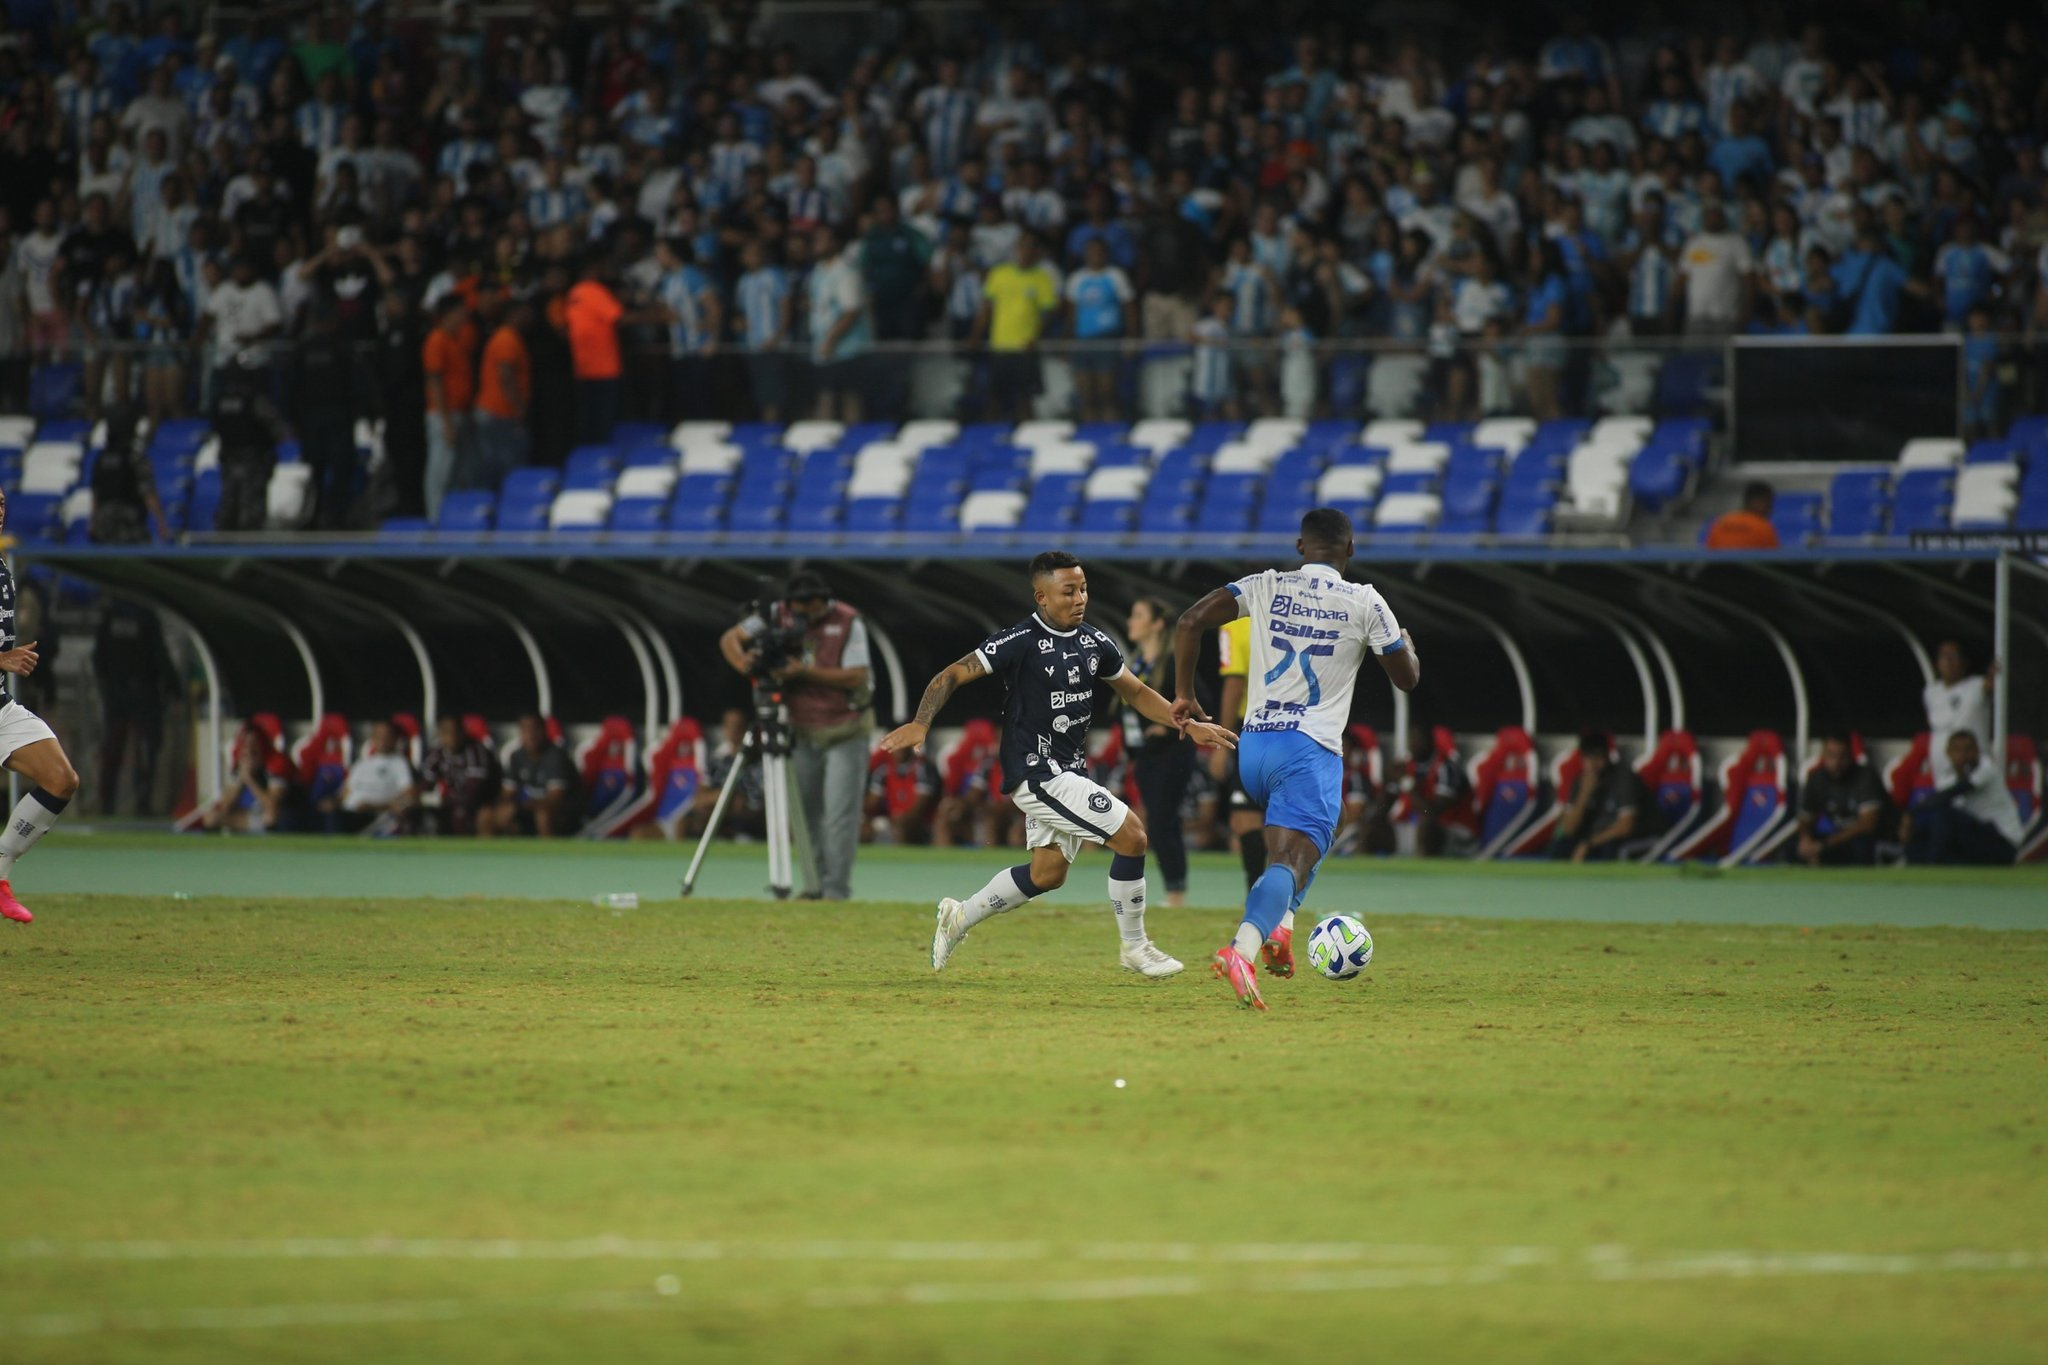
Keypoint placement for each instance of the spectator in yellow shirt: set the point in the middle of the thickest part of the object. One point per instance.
(1017, 298)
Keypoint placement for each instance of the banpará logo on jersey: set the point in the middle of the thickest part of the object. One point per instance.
(1099, 803)
(1285, 605)
(1045, 646)
(1062, 700)
(1063, 723)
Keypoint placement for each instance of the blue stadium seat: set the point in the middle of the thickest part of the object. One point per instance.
(64, 429)
(465, 512)
(1104, 516)
(33, 516)
(757, 508)
(1469, 500)
(1053, 503)
(1989, 452)
(1524, 520)
(1181, 466)
(639, 514)
(628, 435)
(1352, 453)
(1659, 477)
(873, 515)
(1797, 517)
(525, 516)
(1281, 513)
(406, 530)
(531, 484)
(2032, 512)
(1468, 524)
(205, 504)
(816, 511)
(2028, 431)
(590, 467)
(931, 518)
(655, 455)
(1118, 455)
(1449, 433)
(1683, 384)
(1409, 481)
(288, 452)
(1303, 464)
(1209, 437)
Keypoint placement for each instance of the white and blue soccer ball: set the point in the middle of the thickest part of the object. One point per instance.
(1339, 948)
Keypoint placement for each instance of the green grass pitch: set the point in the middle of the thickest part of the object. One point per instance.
(408, 1129)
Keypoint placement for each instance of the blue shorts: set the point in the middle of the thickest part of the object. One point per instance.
(1298, 781)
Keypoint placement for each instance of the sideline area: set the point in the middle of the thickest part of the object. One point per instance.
(85, 862)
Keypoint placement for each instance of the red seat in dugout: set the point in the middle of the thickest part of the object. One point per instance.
(1753, 805)
(1909, 778)
(1504, 789)
(610, 764)
(322, 757)
(1564, 776)
(1425, 776)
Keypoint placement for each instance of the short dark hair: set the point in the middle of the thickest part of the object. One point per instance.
(1326, 526)
(1051, 561)
(1757, 488)
(1595, 741)
(1840, 736)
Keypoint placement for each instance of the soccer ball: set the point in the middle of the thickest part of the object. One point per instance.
(1340, 948)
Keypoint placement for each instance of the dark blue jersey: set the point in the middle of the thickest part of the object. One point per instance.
(6, 625)
(1049, 678)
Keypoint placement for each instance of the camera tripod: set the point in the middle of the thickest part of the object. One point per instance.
(767, 742)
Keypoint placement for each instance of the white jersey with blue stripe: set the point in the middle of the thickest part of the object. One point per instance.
(1310, 632)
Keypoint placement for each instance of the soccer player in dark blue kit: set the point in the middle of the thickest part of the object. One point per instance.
(27, 746)
(1051, 664)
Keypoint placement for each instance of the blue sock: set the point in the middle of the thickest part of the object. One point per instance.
(1126, 867)
(1264, 906)
(1027, 888)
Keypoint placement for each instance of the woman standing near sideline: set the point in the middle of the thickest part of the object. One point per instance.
(1165, 762)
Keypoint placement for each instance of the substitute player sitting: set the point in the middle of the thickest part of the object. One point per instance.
(1051, 664)
(1310, 630)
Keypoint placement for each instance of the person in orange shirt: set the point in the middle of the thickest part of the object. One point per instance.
(594, 314)
(504, 395)
(449, 358)
(1749, 526)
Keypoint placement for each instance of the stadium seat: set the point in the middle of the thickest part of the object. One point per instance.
(1921, 500)
(1930, 453)
(1504, 433)
(580, 509)
(1753, 805)
(405, 530)
(1159, 434)
(1347, 484)
(1519, 519)
(2023, 780)
(658, 455)
(645, 481)
(699, 502)
(1859, 502)
(1986, 496)
(992, 510)
(1796, 517)
(609, 762)
(1996, 451)
(1672, 773)
(466, 511)
(1414, 481)
(804, 437)
(1034, 434)
(873, 515)
(1469, 503)
(1393, 385)
(639, 515)
(1504, 789)
(1535, 836)
(52, 466)
(322, 758)
(289, 498)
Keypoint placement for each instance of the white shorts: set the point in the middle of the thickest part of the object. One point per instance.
(1069, 810)
(19, 728)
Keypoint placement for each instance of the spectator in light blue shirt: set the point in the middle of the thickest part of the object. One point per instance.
(1741, 158)
(762, 298)
(1868, 286)
(1967, 271)
(1098, 298)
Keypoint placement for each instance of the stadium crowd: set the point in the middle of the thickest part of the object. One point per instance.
(537, 225)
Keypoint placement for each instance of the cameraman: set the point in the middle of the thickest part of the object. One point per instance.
(823, 670)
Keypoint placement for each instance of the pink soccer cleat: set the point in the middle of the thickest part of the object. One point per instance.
(1243, 978)
(10, 908)
(1278, 954)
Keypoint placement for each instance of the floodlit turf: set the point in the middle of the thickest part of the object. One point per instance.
(250, 1130)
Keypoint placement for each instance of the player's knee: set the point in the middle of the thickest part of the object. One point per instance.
(61, 783)
(1050, 877)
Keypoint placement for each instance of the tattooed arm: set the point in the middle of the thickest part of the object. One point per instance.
(911, 736)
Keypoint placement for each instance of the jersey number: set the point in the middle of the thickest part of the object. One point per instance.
(1288, 655)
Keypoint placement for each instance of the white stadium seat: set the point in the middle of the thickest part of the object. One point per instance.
(1117, 483)
(1346, 483)
(51, 466)
(1407, 509)
(1608, 504)
(290, 495)
(77, 507)
(1618, 430)
(992, 509)
(1930, 452)
(1047, 432)
(1985, 495)
(1418, 457)
(928, 432)
(208, 456)
(646, 481)
(17, 432)
(1504, 433)
(1242, 457)
(580, 509)
(711, 459)
(805, 437)
(1276, 433)
(1390, 431)
(690, 435)
(1159, 434)
(881, 470)
(1061, 457)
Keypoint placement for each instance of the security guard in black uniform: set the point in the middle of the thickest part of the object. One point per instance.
(249, 429)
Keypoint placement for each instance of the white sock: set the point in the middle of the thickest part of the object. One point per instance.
(32, 818)
(1287, 921)
(1127, 899)
(1002, 893)
(1248, 942)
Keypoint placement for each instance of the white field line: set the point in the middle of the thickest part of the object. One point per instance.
(1606, 1264)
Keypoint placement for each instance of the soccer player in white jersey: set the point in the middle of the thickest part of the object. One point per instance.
(1310, 631)
(1053, 665)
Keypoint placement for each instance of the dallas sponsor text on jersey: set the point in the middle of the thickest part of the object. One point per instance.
(1310, 630)
(1049, 678)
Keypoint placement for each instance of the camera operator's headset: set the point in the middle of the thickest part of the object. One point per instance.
(806, 585)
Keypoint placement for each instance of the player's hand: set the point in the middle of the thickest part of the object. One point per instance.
(1990, 674)
(1214, 736)
(910, 737)
(22, 659)
(1579, 853)
(791, 671)
(1187, 709)
(1809, 849)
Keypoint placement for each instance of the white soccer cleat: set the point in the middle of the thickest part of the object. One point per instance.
(946, 935)
(1144, 958)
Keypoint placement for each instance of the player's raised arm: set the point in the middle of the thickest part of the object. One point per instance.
(1206, 615)
(1153, 707)
(936, 694)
